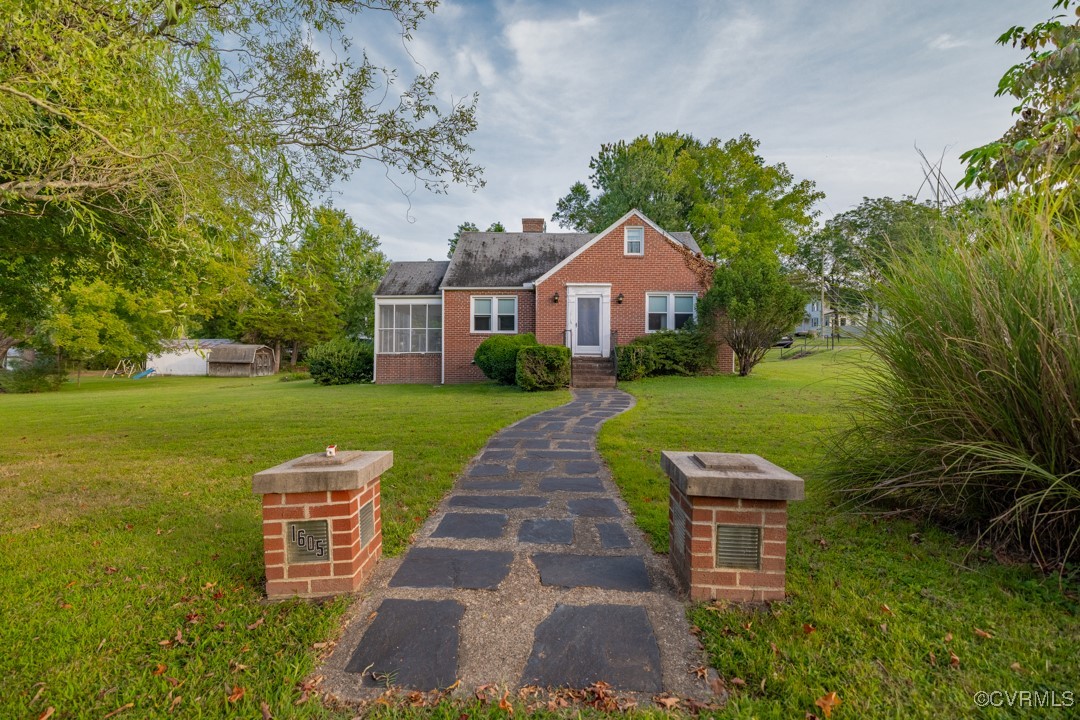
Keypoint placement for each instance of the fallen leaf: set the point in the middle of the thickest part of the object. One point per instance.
(827, 702)
(1015, 666)
(65, 606)
(504, 704)
(948, 637)
(666, 701)
(886, 609)
(884, 627)
(983, 634)
(256, 624)
(808, 628)
(267, 715)
(175, 701)
(953, 660)
(823, 543)
(70, 584)
(318, 645)
(47, 714)
(717, 686)
(237, 693)
(164, 643)
(209, 585)
(738, 682)
(193, 618)
(933, 660)
(159, 670)
(119, 710)
(110, 570)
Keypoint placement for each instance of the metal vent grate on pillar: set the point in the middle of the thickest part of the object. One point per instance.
(738, 546)
(367, 523)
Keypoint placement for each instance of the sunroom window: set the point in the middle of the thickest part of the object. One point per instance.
(410, 327)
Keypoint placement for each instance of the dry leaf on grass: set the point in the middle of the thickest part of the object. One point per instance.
(827, 702)
(47, 714)
(237, 693)
(983, 634)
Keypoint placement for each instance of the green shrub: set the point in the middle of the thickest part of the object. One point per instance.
(970, 410)
(688, 351)
(543, 367)
(42, 375)
(341, 361)
(497, 356)
(636, 361)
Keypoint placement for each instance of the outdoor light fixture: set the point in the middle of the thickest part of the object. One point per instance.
(619, 299)
(556, 298)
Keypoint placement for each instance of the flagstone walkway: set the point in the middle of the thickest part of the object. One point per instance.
(531, 572)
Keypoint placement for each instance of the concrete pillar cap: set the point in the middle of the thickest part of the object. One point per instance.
(730, 475)
(348, 470)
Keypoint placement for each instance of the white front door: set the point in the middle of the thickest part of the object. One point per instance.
(589, 319)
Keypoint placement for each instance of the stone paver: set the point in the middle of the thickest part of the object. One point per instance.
(531, 572)
(577, 646)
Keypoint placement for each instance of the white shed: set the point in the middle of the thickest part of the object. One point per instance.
(184, 357)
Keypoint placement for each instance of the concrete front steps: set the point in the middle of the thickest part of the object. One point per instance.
(593, 372)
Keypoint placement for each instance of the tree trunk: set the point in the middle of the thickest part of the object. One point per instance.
(292, 357)
(277, 356)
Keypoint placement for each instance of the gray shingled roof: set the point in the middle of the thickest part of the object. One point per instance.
(688, 240)
(413, 278)
(485, 259)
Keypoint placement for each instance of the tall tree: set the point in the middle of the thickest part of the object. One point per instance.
(469, 226)
(722, 192)
(845, 255)
(1043, 145)
(143, 123)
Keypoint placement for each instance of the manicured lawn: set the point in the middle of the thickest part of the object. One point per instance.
(130, 541)
(873, 599)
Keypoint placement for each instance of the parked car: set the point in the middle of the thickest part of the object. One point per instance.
(784, 342)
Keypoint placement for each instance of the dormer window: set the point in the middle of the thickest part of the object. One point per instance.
(635, 241)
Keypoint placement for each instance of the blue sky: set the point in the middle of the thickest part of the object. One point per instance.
(841, 91)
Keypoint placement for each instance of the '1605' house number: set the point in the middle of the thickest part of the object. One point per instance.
(308, 541)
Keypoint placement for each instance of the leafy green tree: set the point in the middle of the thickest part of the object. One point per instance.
(722, 192)
(469, 226)
(845, 256)
(1043, 145)
(752, 303)
(320, 287)
(164, 130)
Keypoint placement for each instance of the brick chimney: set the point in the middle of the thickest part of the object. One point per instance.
(533, 225)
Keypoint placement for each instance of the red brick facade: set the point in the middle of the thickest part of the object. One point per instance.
(692, 525)
(460, 342)
(663, 267)
(350, 563)
(415, 368)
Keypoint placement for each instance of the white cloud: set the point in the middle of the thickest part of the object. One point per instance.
(945, 41)
(842, 92)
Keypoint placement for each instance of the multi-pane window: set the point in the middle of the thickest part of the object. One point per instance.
(669, 311)
(635, 241)
(494, 314)
(410, 327)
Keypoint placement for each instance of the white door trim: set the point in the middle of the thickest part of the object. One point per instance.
(601, 290)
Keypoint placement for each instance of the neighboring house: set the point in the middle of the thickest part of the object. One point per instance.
(184, 357)
(235, 360)
(812, 321)
(583, 290)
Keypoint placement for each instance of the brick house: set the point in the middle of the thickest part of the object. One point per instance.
(584, 290)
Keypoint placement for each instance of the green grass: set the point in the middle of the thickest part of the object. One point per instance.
(845, 567)
(127, 520)
(126, 515)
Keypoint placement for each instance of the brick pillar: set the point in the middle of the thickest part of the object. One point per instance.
(728, 524)
(322, 522)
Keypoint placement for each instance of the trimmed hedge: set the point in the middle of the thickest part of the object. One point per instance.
(678, 352)
(543, 367)
(497, 356)
(341, 361)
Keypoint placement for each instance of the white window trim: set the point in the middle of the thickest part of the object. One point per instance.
(626, 240)
(404, 300)
(494, 314)
(670, 308)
